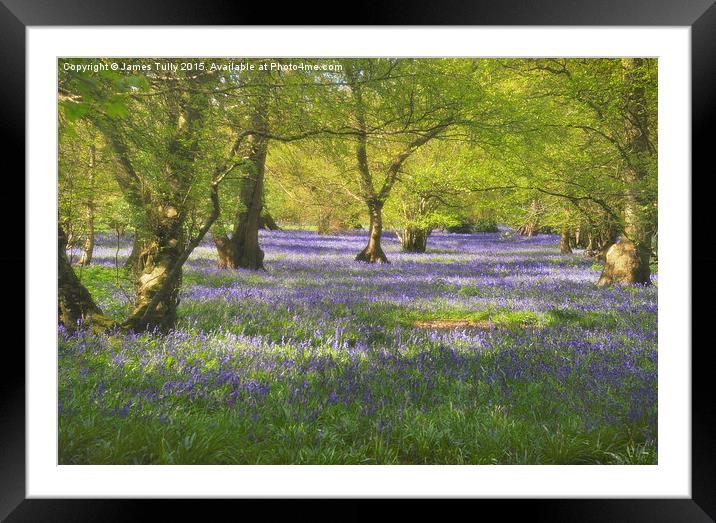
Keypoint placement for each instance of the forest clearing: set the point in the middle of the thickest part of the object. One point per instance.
(371, 261)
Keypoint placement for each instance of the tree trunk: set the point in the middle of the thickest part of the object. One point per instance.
(245, 251)
(88, 246)
(161, 266)
(607, 237)
(627, 262)
(414, 239)
(242, 250)
(373, 252)
(75, 304)
(159, 254)
(70, 240)
(564, 241)
(590, 243)
(625, 265)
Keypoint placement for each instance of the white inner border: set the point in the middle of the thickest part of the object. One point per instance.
(670, 478)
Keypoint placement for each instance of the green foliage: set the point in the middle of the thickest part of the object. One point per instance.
(516, 131)
(468, 226)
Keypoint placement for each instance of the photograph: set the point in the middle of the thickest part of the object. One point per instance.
(357, 260)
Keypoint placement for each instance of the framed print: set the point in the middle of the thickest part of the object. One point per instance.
(361, 262)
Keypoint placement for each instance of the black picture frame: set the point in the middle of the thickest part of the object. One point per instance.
(700, 15)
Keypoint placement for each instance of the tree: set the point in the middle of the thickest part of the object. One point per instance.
(87, 193)
(164, 168)
(393, 107)
(430, 193)
(242, 249)
(272, 106)
(75, 304)
(628, 261)
(615, 108)
(586, 138)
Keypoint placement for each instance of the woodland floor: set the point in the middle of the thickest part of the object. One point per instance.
(489, 348)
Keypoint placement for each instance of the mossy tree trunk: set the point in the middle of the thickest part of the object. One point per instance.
(164, 249)
(163, 198)
(158, 257)
(75, 304)
(160, 245)
(414, 239)
(160, 266)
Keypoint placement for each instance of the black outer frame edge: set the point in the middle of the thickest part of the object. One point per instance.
(703, 418)
(398, 12)
(550, 510)
(12, 147)
(702, 506)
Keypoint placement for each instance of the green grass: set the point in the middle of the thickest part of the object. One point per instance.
(477, 426)
(479, 436)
